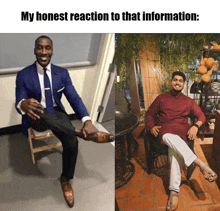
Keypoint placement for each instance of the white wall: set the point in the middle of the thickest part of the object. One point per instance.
(16, 50)
(89, 82)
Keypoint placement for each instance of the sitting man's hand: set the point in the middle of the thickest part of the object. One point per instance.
(192, 132)
(31, 107)
(155, 130)
(88, 129)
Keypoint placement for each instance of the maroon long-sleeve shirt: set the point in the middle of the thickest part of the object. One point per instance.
(172, 114)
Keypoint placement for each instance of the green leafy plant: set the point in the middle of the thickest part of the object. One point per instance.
(127, 48)
(176, 53)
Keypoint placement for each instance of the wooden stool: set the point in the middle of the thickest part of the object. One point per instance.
(33, 134)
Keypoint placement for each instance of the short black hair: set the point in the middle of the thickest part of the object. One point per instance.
(180, 74)
(43, 37)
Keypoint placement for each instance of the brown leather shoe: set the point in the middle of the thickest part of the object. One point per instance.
(98, 137)
(67, 191)
(101, 137)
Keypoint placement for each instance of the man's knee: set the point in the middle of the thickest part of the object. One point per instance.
(166, 137)
(70, 144)
(169, 139)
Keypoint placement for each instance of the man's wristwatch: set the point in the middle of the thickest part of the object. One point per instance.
(196, 125)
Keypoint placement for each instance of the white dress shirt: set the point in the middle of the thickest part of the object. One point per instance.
(40, 71)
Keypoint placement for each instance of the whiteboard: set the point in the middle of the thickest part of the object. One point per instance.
(17, 49)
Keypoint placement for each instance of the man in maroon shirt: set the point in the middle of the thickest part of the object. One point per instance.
(171, 110)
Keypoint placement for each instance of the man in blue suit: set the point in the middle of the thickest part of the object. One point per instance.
(39, 88)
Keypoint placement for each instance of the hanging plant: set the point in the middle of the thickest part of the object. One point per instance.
(176, 53)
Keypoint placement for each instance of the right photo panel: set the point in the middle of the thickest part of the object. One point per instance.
(167, 122)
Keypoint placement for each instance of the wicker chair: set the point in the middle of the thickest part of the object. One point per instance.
(153, 149)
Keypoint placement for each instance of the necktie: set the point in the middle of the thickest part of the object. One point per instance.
(48, 93)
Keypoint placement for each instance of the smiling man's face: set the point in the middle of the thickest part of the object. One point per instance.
(177, 83)
(43, 51)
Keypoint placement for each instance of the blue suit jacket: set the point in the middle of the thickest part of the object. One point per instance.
(28, 86)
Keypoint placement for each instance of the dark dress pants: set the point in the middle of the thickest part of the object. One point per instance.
(63, 129)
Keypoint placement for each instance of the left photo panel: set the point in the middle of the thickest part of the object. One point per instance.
(57, 124)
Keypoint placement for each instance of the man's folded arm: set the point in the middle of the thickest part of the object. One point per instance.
(198, 114)
(151, 114)
(21, 93)
(19, 107)
(73, 98)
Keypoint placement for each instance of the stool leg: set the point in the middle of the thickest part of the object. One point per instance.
(31, 145)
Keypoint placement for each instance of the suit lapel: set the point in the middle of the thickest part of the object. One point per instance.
(54, 75)
(55, 84)
(36, 82)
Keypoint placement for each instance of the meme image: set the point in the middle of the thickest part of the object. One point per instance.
(109, 106)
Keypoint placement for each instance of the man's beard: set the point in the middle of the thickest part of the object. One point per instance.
(176, 92)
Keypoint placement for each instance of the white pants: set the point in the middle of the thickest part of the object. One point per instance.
(178, 154)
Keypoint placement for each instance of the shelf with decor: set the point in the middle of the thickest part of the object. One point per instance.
(210, 91)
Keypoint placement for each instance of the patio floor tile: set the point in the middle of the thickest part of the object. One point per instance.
(195, 208)
(199, 198)
(138, 203)
(150, 192)
(124, 192)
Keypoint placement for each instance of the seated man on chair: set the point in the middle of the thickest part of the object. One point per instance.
(172, 110)
(39, 88)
